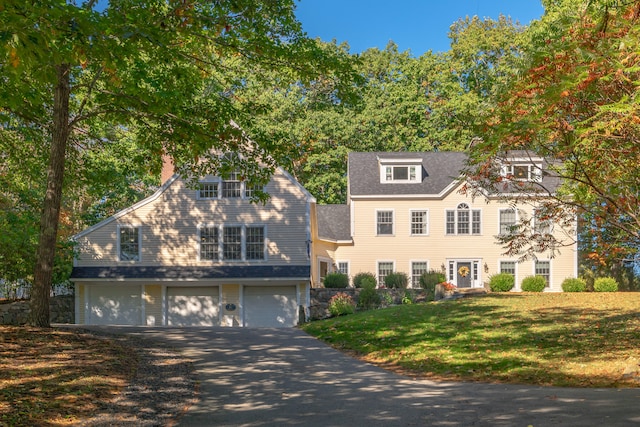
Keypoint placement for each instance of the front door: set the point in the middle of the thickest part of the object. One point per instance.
(464, 275)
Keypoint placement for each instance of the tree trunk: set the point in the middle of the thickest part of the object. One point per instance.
(51, 206)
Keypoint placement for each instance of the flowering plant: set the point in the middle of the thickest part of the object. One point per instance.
(448, 286)
(341, 303)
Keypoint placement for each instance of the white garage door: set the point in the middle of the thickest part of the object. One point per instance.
(193, 306)
(114, 305)
(270, 306)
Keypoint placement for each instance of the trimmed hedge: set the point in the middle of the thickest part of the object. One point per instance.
(336, 280)
(605, 284)
(533, 284)
(502, 282)
(571, 284)
(360, 279)
(396, 280)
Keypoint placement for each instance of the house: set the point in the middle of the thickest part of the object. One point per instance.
(405, 213)
(202, 255)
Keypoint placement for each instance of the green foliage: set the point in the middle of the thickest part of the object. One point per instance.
(407, 298)
(429, 280)
(605, 284)
(336, 280)
(396, 280)
(574, 284)
(533, 284)
(340, 304)
(364, 280)
(369, 298)
(502, 282)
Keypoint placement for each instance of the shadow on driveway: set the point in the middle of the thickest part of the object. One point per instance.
(284, 377)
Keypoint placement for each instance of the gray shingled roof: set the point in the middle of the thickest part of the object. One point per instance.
(334, 222)
(440, 169)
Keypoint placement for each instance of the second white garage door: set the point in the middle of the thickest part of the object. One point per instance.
(193, 306)
(270, 306)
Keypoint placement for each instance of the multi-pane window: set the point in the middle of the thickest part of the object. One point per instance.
(129, 244)
(523, 172)
(507, 221)
(417, 269)
(209, 243)
(508, 267)
(255, 243)
(401, 173)
(541, 224)
(385, 223)
(543, 268)
(343, 267)
(251, 190)
(384, 269)
(463, 220)
(208, 190)
(419, 222)
(232, 243)
(232, 187)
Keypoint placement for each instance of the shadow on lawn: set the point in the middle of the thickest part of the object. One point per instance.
(499, 338)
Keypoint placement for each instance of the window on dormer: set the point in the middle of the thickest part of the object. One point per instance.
(523, 172)
(400, 173)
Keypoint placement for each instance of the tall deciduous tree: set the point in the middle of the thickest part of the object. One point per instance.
(576, 101)
(172, 72)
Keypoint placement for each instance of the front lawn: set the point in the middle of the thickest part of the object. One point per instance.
(563, 339)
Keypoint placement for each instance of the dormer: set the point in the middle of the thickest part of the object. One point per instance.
(522, 169)
(400, 171)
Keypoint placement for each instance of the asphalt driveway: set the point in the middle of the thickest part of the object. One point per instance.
(284, 377)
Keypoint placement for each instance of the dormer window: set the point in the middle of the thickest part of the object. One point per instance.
(523, 172)
(400, 171)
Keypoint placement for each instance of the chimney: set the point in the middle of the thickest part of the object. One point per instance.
(168, 169)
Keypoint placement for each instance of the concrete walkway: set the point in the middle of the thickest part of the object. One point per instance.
(284, 377)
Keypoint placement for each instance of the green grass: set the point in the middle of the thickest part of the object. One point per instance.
(564, 339)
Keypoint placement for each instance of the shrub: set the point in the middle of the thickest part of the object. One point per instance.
(340, 304)
(605, 284)
(533, 284)
(396, 280)
(369, 298)
(429, 280)
(502, 282)
(336, 280)
(407, 298)
(367, 277)
(571, 284)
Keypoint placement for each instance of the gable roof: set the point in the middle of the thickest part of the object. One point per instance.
(334, 222)
(440, 173)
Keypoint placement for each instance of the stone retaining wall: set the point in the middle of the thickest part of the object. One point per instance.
(61, 308)
(319, 303)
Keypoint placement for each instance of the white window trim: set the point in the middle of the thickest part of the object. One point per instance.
(139, 228)
(329, 267)
(411, 222)
(393, 222)
(550, 287)
(338, 262)
(471, 210)
(516, 284)
(219, 180)
(416, 166)
(500, 210)
(411, 269)
(393, 270)
(534, 171)
(243, 243)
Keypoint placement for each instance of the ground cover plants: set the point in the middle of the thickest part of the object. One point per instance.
(560, 339)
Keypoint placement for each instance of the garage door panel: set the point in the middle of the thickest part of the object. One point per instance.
(193, 306)
(115, 305)
(270, 306)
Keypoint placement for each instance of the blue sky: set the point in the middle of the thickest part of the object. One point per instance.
(416, 25)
